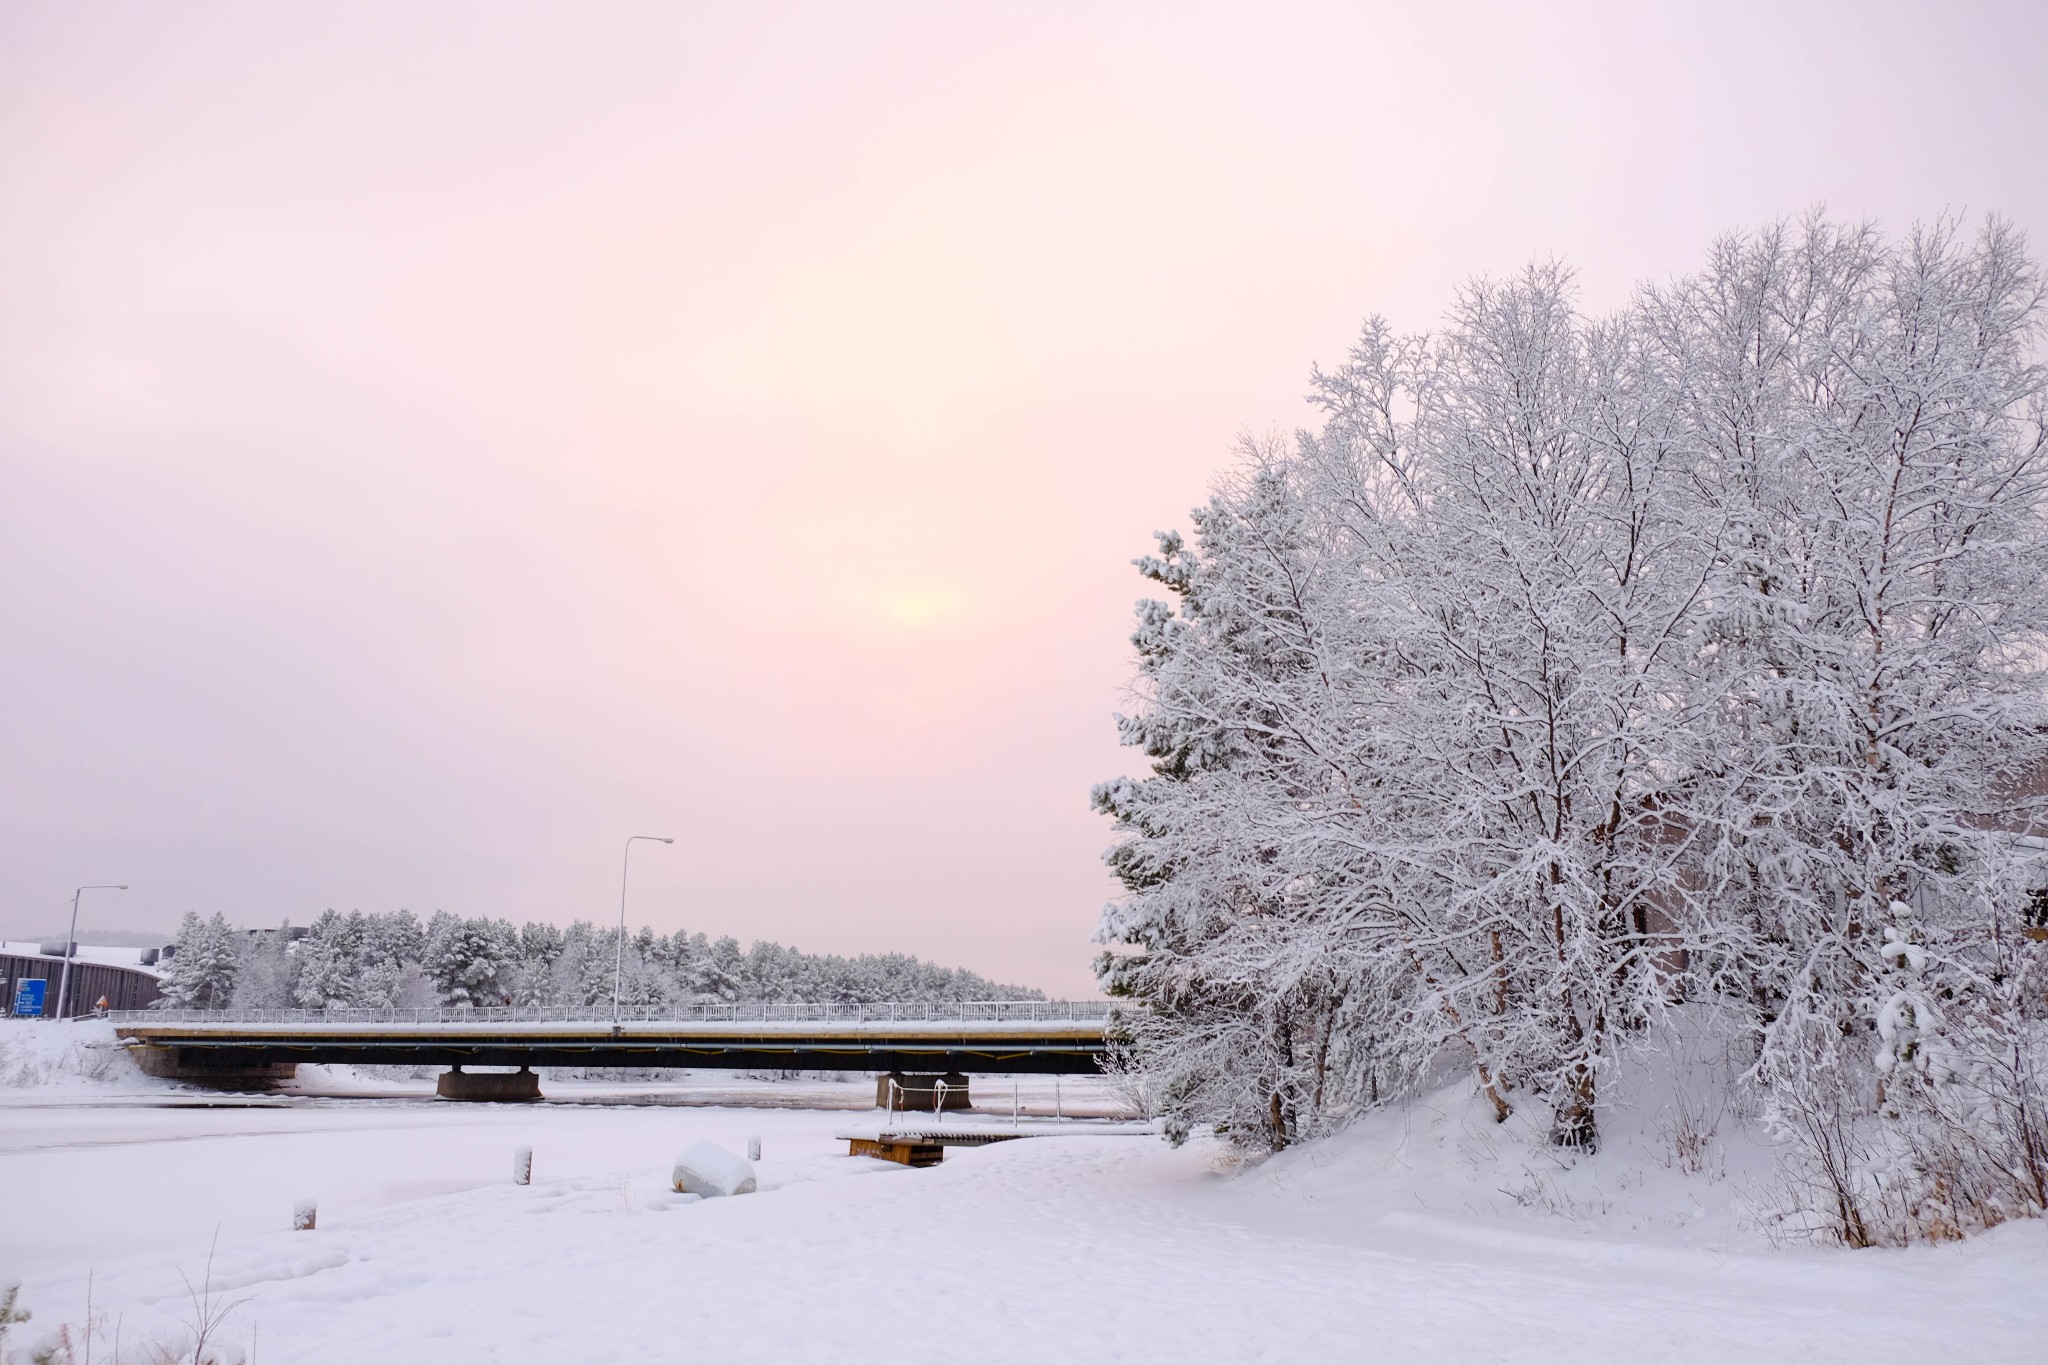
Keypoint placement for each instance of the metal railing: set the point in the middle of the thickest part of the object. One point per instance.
(754, 1012)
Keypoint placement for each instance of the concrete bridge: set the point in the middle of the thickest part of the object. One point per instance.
(913, 1044)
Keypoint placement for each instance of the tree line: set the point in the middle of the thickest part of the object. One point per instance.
(393, 960)
(1585, 683)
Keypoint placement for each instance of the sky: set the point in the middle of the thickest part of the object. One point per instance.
(439, 441)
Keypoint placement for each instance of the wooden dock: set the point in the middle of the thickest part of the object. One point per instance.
(921, 1148)
(927, 1146)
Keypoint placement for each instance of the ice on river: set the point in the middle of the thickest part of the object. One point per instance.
(1083, 1249)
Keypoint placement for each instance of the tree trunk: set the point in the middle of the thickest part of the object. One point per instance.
(1573, 1124)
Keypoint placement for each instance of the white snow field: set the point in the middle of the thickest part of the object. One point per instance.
(1421, 1236)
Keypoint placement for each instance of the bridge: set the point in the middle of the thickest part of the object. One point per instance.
(940, 1040)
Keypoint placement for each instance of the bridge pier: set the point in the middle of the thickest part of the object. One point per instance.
(920, 1094)
(204, 1066)
(457, 1084)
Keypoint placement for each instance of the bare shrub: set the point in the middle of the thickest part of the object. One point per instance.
(1542, 1193)
(206, 1314)
(1690, 1127)
(1128, 1080)
(11, 1310)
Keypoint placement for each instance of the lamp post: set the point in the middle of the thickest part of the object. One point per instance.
(71, 942)
(619, 967)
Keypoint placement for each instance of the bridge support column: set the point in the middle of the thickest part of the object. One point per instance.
(920, 1094)
(457, 1084)
(199, 1066)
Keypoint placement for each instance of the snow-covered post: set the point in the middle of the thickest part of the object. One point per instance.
(305, 1214)
(754, 1148)
(522, 1165)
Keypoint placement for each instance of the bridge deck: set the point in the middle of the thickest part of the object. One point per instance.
(1005, 1038)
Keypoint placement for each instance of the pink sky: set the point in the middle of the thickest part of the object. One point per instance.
(439, 441)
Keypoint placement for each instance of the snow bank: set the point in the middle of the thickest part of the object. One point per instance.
(1676, 1167)
(80, 1054)
(710, 1170)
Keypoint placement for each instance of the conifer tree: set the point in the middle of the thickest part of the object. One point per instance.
(202, 971)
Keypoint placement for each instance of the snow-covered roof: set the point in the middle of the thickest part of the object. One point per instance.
(87, 952)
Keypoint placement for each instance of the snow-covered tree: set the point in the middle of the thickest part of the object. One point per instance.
(1240, 1021)
(389, 960)
(540, 946)
(202, 971)
(1575, 668)
(266, 970)
(331, 962)
(392, 938)
(1872, 423)
(722, 972)
(469, 960)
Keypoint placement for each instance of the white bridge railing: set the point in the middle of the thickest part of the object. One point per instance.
(754, 1012)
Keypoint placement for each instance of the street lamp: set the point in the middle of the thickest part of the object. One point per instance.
(71, 942)
(619, 967)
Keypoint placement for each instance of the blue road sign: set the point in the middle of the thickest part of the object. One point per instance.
(28, 997)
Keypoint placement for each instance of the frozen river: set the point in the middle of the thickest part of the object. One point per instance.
(105, 1181)
(1081, 1248)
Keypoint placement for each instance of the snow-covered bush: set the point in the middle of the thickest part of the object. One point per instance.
(1577, 669)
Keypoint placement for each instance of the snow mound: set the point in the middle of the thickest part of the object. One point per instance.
(1672, 1169)
(82, 1054)
(710, 1170)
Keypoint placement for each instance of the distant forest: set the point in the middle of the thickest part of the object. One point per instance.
(395, 960)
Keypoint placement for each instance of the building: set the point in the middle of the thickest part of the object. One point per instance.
(117, 975)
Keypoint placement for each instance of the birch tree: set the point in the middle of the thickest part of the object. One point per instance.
(1677, 668)
(1873, 422)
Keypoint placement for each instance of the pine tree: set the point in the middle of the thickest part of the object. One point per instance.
(540, 945)
(469, 961)
(392, 939)
(332, 962)
(202, 971)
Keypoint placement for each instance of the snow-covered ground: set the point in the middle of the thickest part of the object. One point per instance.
(1425, 1235)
